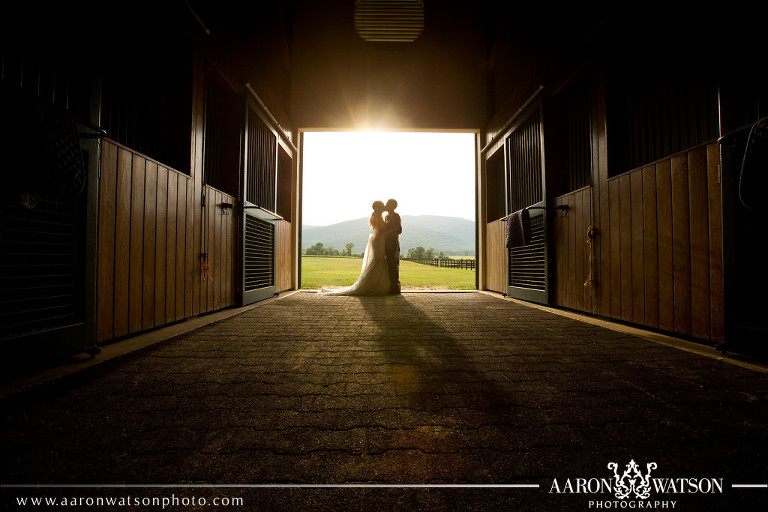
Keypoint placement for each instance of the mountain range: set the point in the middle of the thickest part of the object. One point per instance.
(451, 235)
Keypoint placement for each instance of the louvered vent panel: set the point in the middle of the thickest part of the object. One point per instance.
(259, 253)
(527, 264)
(39, 268)
(389, 21)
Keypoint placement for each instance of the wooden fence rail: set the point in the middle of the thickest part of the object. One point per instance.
(468, 264)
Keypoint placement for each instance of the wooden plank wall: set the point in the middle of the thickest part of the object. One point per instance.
(573, 252)
(661, 246)
(285, 258)
(495, 266)
(149, 246)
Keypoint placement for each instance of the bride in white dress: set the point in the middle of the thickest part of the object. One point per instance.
(374, 276)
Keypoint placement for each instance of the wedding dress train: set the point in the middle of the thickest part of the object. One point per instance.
(374, 276)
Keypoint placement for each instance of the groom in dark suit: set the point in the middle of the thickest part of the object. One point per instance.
(392, 246)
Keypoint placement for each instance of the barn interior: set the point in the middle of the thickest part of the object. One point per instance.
(152, 155)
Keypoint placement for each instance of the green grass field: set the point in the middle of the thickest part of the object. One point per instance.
(318, 271)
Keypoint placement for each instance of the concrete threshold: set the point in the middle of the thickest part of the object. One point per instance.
(411, 290)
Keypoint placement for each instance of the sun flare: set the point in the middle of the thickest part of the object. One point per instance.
(428, 173)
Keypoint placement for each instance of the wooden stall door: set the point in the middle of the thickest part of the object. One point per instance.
(259, 200)
(528, 267)
(48, 268)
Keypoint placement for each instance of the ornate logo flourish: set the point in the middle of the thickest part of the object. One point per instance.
(632, 480)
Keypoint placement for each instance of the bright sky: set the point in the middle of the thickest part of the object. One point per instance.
(428, 174)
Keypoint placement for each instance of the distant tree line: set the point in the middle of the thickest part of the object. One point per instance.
(417, 253)
(420, 254)
(319, 250)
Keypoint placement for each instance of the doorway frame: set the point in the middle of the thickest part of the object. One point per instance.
(299, 212)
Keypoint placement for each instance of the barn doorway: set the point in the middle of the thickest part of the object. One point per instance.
(430, 174)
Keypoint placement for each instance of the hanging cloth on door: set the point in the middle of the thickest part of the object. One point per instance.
(518, 228)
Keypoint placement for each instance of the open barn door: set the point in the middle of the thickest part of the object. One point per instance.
(259, 200)
(528, 275)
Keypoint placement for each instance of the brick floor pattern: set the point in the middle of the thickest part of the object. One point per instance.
(421, 388)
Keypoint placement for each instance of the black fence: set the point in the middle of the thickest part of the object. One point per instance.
(468, 264)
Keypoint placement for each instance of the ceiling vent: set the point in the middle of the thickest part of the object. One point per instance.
(393, 21)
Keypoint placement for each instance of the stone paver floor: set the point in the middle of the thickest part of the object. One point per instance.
(422, 388)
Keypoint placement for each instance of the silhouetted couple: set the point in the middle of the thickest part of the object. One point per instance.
(380, 274)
